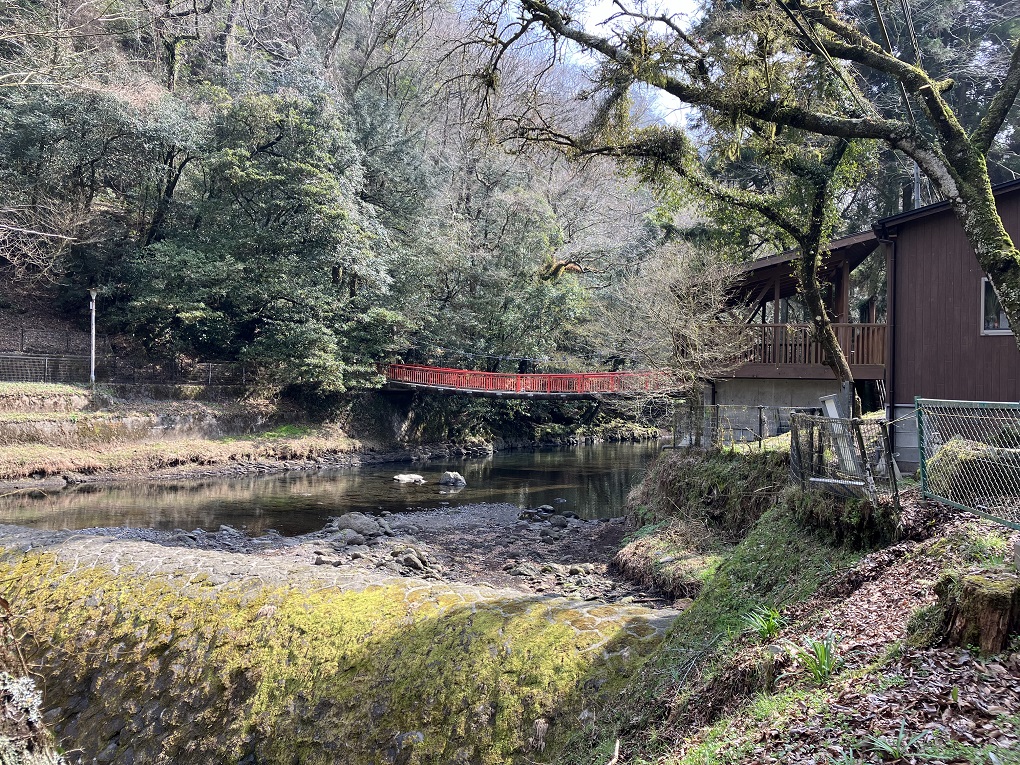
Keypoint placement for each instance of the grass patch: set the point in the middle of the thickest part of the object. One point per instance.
(26, 460)
(9, 389)
(780, 443)
(727, 490)
(708, 661)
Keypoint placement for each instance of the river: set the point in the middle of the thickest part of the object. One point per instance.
(591, 481)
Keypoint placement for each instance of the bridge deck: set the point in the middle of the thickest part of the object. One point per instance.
(583, 385)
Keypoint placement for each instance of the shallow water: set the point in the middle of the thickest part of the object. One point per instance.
(591, 481)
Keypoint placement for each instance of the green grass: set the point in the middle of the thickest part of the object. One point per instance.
(43, 389)
(289, 431)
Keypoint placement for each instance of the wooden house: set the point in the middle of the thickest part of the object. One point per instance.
(948, 337)
(943, 334)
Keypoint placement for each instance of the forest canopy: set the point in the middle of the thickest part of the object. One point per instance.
(313, 188)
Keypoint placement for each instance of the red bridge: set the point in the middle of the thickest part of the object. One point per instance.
(585, 385)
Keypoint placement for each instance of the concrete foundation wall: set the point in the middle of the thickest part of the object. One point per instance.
(783, 393)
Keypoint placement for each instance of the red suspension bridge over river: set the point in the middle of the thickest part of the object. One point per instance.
(471, 382)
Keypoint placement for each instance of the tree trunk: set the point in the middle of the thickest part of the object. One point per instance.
(981, 609)
(811, 291)
(998, 255)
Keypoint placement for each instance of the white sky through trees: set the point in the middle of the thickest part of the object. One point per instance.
(666, 107)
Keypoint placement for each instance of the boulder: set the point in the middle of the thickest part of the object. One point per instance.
(451, 478)
(362, 524)
(351, 537)
(558, 521)
(408, 478)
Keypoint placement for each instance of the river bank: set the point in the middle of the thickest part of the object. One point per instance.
(211, 647)
(53, 435)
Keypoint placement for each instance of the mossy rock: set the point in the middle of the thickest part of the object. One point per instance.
(970, 472)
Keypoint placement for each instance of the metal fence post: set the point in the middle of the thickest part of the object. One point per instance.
(921, 457)
(890, 465)
(715, 424)
(796, 457)
(865, 463)
(761, 426)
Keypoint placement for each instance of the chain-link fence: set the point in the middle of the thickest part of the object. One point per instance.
(43, 368)
(723, 425)
(21, 367)
(50, 342)
(848, 457)
(970, 456)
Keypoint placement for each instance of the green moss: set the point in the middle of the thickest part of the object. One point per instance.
(851, 521)
(728, 489)
(926, 627)
(327, 676)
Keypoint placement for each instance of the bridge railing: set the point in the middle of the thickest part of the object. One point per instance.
(586, 383)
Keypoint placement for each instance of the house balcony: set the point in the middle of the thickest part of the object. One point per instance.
(790, 352)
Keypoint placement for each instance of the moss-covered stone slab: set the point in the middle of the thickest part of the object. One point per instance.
(165, 654)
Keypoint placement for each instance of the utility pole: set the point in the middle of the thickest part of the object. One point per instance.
(92, 365)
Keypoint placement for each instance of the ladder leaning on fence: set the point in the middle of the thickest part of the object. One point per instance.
(851, 457)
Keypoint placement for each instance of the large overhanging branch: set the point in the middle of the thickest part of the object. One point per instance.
(777, 112)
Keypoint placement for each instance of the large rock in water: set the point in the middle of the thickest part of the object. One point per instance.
(451, 478)
(165, 654)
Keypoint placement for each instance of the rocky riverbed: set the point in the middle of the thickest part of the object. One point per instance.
(499, 545)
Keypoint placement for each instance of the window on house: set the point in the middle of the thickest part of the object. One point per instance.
(993, 318)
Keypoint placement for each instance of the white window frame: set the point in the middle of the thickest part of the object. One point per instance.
(988, 332)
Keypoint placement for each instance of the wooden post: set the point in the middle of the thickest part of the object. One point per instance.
(844, 289)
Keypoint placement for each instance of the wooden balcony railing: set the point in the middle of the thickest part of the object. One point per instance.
(781, 344)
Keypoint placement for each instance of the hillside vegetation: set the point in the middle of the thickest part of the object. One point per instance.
(808, 637)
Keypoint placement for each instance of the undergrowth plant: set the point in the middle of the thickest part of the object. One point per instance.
(763, 621)
(893, 748)
(818, 657)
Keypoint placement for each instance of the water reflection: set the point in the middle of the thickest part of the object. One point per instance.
(593, 481)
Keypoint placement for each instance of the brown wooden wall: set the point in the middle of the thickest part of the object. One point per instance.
(939, 349)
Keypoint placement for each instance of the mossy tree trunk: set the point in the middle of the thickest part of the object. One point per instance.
(981, 609)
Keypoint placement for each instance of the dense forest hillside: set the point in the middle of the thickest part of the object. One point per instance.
(309, 188)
